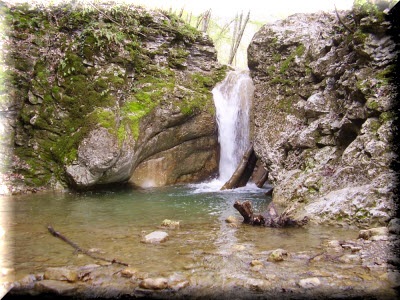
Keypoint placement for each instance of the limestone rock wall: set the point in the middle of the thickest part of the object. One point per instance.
(91, 94)
(323, 115)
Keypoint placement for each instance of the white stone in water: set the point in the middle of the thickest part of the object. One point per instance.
(62, 274)
(309, 282)
(155, 237)
(231, 219)
(128, 272)
(154, 283)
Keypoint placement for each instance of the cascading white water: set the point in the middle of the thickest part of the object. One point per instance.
(232, 98)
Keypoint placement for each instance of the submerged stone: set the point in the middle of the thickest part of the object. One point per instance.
(55, 286)
(278, 255)
(170, 224)
(231, 219)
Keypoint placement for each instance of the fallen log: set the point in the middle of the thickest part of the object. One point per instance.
(243, 172)
(260, 176)
(269, 218)
(79, 249)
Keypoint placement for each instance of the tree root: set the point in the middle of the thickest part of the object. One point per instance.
(270, 218)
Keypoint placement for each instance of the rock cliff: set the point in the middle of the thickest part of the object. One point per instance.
(94, 93)
(323, 114)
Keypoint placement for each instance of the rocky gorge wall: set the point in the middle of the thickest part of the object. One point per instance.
(324, 115)
(91, 94)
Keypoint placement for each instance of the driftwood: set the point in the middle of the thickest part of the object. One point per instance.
(79, 249)
(243, 172)
(269, 218)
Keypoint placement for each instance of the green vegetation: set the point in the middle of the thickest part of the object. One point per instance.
(372, 8)
(286, 63)
(96, 73)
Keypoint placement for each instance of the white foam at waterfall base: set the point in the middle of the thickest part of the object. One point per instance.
(232, 99)
(215, 185)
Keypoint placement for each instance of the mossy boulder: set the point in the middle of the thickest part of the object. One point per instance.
(82, 77)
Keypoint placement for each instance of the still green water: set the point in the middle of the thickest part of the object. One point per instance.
(113, 223)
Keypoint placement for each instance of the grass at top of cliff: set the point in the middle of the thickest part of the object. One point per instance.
(362, 8)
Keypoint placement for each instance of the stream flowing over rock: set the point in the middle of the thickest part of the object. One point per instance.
(106, 95)
(323, 115)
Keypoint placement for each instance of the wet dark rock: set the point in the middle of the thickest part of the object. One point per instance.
(56, 287)
(394, 226)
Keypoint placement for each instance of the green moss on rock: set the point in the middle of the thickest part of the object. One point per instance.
(99, 74)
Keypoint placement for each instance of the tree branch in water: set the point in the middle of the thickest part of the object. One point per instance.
(79, 249)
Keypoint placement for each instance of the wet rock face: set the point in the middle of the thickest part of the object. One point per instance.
(323, 115)
(91, 100)
(175, 148)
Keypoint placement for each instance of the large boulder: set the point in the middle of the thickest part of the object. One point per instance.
(323, 115)
(98, 93)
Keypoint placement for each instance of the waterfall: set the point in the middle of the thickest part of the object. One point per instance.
(232, 98)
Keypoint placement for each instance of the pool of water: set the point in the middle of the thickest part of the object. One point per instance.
(113, 223)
